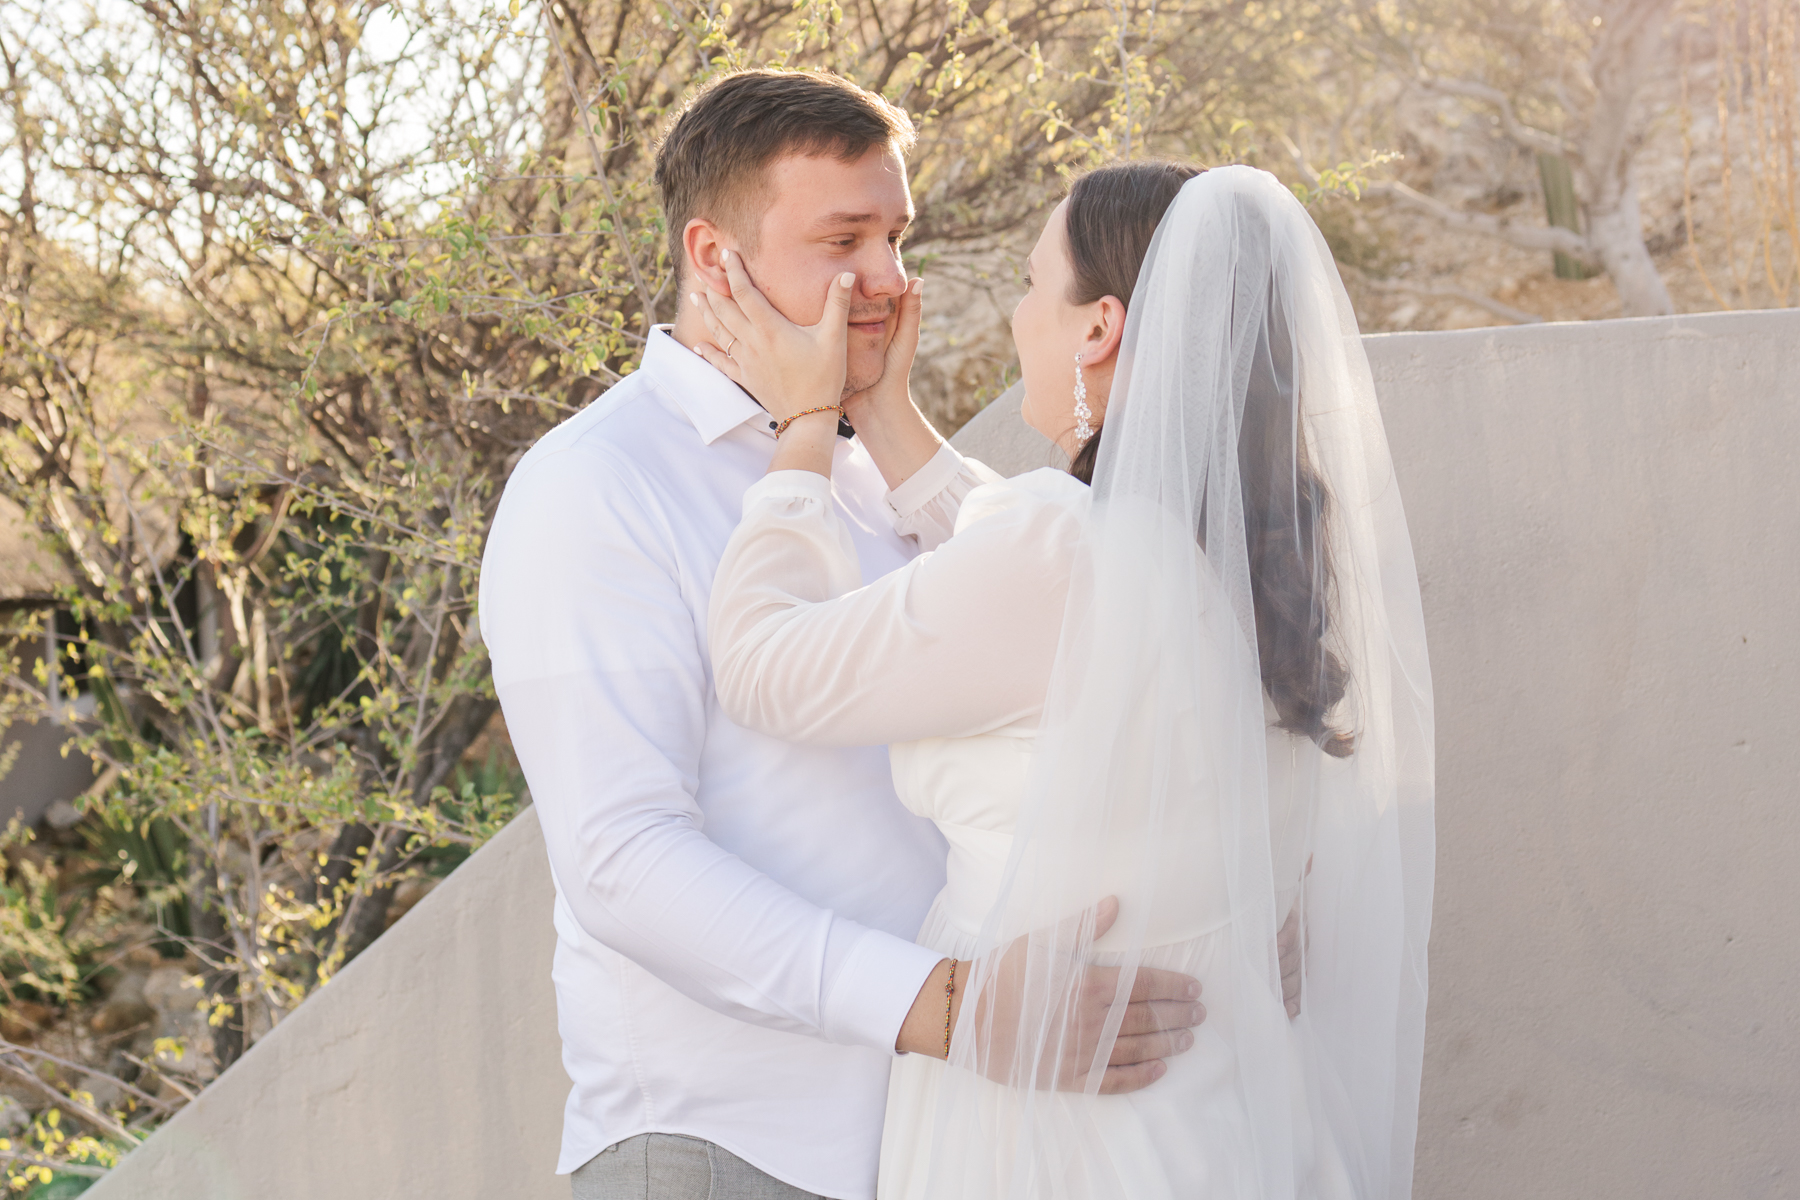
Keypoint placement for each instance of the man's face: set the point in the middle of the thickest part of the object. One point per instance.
(826, 216)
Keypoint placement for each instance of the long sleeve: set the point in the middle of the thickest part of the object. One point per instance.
(958, 642)
(925, 506)
(598, 666)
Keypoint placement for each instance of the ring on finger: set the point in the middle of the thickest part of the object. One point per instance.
(733, 346)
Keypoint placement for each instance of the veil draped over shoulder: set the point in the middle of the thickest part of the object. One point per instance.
(1241, 689)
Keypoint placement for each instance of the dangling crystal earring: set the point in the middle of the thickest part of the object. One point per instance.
(1084, 428)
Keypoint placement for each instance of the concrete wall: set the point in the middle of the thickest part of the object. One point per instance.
(1607, 520)
(1607, 524)
(429, 1068)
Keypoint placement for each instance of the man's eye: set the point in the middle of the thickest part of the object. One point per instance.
(1028, 279)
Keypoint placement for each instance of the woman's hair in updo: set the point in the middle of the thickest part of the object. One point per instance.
(1111, 217)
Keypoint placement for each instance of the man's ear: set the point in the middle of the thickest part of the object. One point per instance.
(703, 240)
(1104, 332)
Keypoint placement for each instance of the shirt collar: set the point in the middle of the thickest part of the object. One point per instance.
(700, 390)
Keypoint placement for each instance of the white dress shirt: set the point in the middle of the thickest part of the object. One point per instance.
(734, 913)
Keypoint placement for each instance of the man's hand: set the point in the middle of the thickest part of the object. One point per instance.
(1164, 1008)
(1287, 948)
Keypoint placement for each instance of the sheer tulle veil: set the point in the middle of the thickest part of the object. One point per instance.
(1168, 775)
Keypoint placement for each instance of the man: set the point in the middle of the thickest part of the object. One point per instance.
(734, 963)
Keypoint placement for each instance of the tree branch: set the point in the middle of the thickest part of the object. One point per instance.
(1505, 312)
(1535, 140)
(1527, 237)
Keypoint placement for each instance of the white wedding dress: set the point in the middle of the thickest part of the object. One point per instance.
(1082, 688)
(955, 643)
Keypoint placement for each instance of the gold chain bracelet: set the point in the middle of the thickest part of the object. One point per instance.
(949, 995)
(782, 427)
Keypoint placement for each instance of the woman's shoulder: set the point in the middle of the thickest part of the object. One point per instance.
(1044, 493)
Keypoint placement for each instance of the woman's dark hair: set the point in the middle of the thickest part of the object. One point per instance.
(1112, 215)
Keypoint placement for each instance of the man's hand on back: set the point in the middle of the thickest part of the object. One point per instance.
(1159, 1019)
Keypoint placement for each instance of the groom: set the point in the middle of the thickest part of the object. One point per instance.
(734, 964)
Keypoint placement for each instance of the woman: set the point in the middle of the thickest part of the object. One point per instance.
(1172, 677)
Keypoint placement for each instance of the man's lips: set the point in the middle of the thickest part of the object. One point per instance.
(870, 324)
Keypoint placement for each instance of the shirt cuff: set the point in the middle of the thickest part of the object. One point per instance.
(788, 485)
(874, 989)
(938, 473)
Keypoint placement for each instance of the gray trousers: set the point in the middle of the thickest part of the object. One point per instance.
(667, 1166)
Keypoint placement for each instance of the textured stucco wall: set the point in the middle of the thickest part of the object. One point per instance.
(1607, 521)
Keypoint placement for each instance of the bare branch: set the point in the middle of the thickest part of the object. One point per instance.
(1535, 140)
(1528, 237)
(86, 1114)
(1505, 312)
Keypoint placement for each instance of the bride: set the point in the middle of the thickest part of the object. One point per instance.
(1158, 704)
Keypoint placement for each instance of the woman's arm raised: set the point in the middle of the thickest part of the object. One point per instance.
(957, 642)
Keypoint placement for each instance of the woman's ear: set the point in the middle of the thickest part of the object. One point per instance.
(1107, 327)
(703, 240)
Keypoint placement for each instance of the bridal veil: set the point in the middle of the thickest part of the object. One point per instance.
(1246, 529)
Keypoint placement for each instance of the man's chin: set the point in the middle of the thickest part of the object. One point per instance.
(860, 377)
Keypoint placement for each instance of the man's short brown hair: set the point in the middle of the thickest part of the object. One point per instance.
(712, 161)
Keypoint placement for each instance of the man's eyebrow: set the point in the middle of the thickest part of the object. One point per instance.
(852, 218)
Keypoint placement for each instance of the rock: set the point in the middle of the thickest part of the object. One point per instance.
(120, 1014)
(179, 1015)
(107, 1096)
(409, 892)
(23, 1021)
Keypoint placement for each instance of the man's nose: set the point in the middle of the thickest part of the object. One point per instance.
(882, 274)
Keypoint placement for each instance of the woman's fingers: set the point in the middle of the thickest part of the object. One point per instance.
(718, 358)
(723, 319)
(906, 326)
(834, 323)
(748, 296)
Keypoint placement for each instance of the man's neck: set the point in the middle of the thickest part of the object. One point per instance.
(689, 329)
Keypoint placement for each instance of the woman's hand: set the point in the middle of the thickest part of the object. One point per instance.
(887, 422)
(890, 399)
(789, 368)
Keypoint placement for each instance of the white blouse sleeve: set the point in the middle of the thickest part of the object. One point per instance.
(925, 506)
(959, 641)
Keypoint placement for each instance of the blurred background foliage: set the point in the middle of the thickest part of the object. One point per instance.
(287, 286)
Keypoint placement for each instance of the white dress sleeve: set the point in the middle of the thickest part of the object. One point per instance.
(925, 506)
(958, 642)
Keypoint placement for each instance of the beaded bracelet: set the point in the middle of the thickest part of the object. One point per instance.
(949, 994)
(781, 428)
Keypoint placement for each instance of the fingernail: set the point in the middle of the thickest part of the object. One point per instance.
(693, 297)
(847, 278)
(1184, 1041)
(1197, 1013)
(918, 286)
(724, 256)
(1193, 990)
(1158, 1069)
